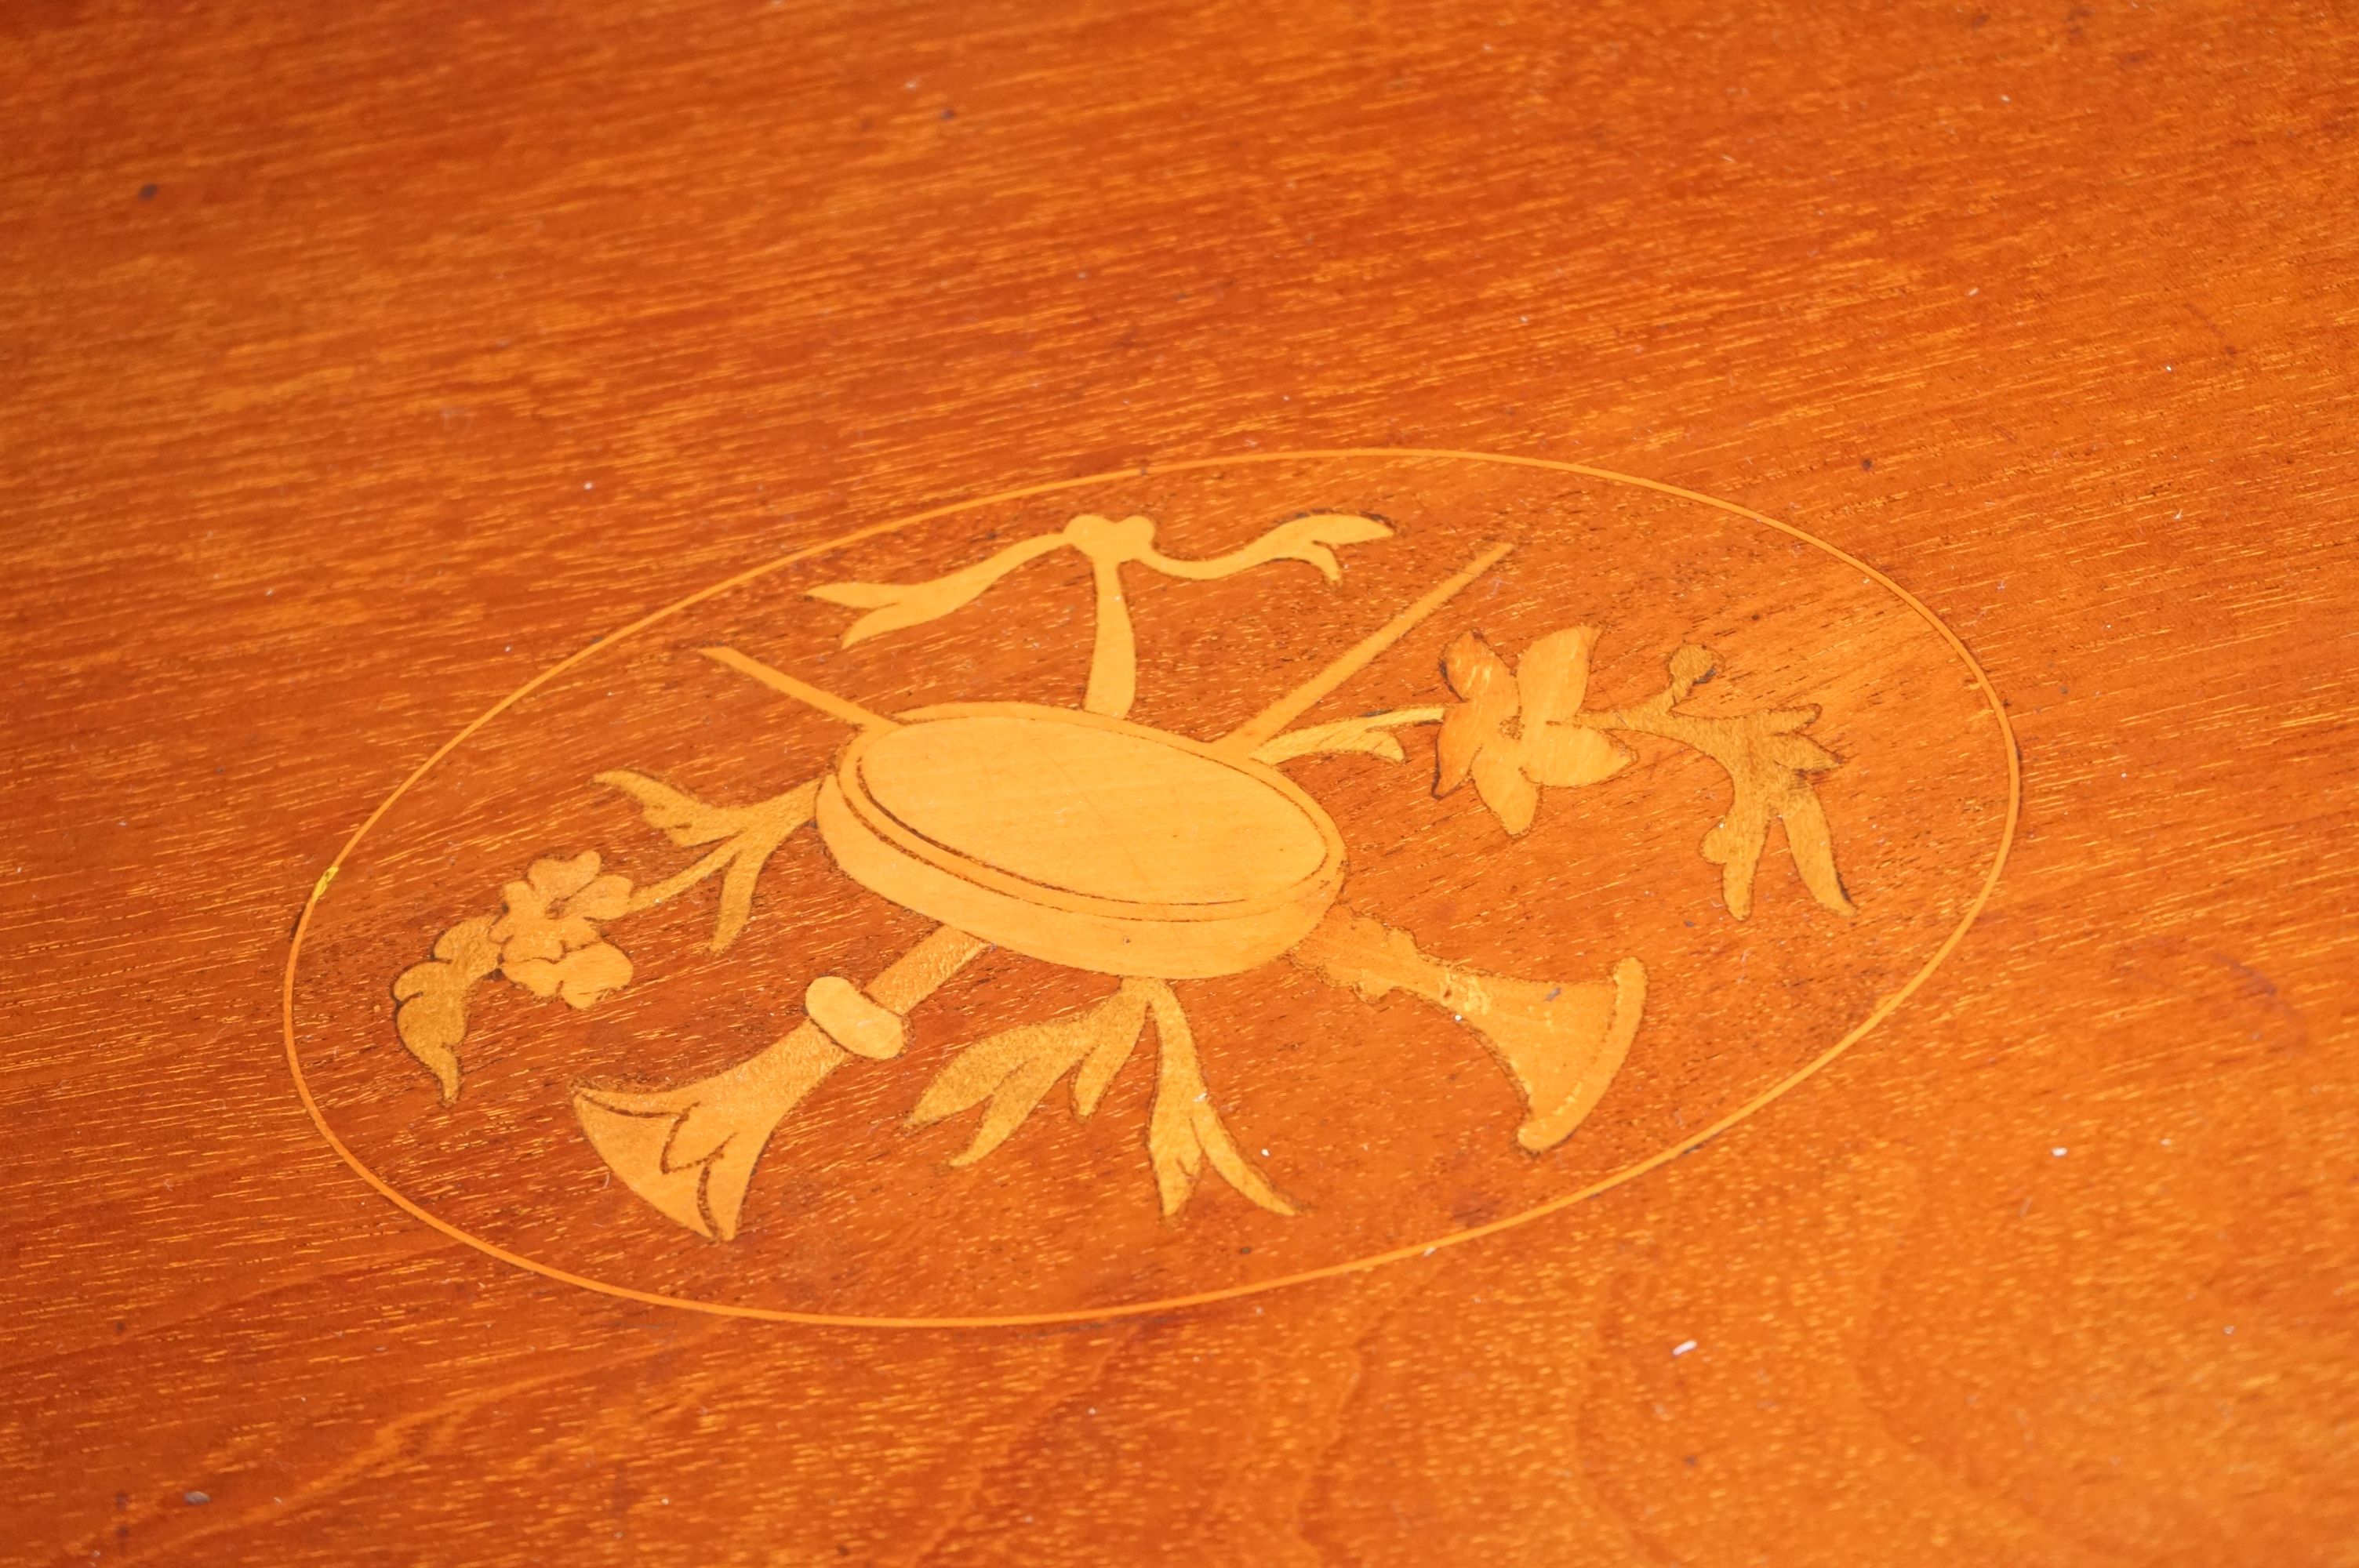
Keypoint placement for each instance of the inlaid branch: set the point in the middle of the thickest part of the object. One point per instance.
(1014, 1069)
(1769, 765)
(1010, 1073)
(1372, 734)
(1514, 732)
(746, 836)
(550, 940)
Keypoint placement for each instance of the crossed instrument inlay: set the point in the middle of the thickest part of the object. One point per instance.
(1081, 839)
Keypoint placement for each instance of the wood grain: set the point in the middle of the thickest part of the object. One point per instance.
(363, 362)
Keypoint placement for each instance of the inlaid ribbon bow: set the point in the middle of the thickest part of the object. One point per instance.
(1109, 545)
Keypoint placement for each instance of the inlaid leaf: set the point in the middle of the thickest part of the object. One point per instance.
(431, 1011)
(681, 817)
(760, 840)
(1814, 850)
(1184, 1131)
(1115, 1029)
(1014, 1070)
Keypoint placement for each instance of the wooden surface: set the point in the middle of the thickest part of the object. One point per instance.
(363, 362)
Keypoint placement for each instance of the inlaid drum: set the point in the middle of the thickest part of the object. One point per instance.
(1083, 841)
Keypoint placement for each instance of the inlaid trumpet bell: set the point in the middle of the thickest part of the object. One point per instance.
(1561, 1044)
(690, 1151)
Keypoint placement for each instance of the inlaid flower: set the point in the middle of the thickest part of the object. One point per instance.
(1515, 731)
(549, 938)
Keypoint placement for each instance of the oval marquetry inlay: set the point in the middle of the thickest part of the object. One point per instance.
(1151, 888)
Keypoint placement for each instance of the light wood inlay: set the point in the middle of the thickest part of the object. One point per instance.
(401, 399)
(1184, 850)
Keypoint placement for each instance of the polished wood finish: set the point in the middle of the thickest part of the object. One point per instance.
(366, 363)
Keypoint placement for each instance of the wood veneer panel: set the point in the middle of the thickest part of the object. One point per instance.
(366, 363)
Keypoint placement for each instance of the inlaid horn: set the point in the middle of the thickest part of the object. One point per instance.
(1560, 1044)
(690, 1151)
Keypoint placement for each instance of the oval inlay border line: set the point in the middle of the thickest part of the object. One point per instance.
(1882, 1010)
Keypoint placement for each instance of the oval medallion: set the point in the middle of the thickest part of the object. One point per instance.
(1147, 889)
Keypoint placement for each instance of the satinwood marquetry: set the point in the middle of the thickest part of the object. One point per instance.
(591, 370)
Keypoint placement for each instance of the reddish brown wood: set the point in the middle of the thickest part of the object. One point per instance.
(364, 362)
